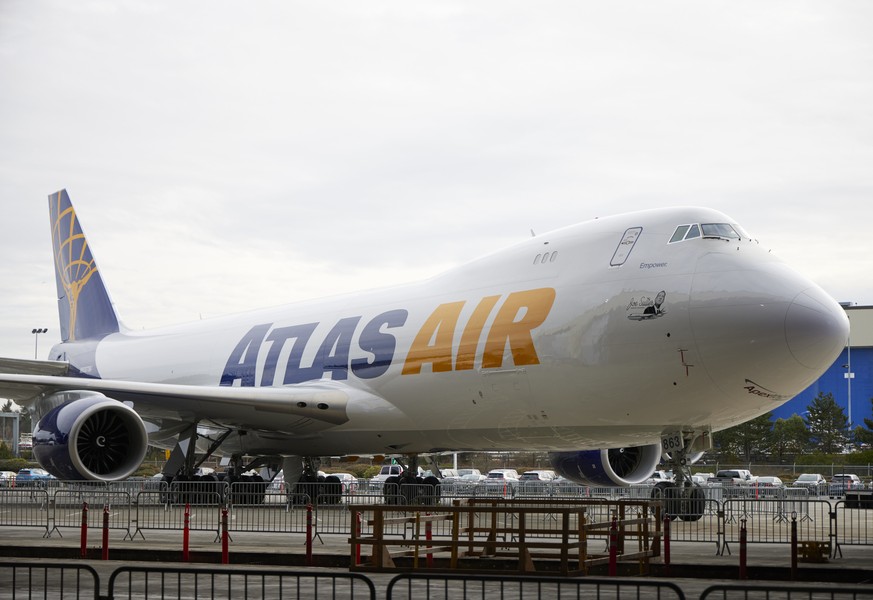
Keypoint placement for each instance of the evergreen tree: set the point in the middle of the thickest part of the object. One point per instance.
(790, 437)
(864, 435)
(746, 439)
(827, 424)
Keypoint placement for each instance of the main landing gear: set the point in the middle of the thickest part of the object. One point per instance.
(683, 499)
(411, 488)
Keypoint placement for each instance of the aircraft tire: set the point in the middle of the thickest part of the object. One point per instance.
(391, 490)
(331, 490)
(693, 503)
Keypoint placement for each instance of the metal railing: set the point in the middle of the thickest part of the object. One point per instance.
(81, 582)
(225, 584)
(484, 587)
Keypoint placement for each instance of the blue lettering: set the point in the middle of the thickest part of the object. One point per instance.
(333, 354)
(380, 345)
(278, 337)
(244, 358)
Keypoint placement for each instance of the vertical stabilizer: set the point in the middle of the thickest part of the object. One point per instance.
(84, 306)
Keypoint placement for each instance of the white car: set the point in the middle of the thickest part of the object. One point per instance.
(843, 482)
(813, 482)
(7, 478)
(503, 481)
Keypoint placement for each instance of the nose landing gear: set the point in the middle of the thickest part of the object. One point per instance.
(682, 498)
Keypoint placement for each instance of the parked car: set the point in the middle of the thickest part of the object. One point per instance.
(843, 482)
(733, 477)
(7, 478)
(387, 471)
(535, 481)
(470, 474)
(474, 477)
(32, 477)
(502, 481)
(700, 479)
(813, 482)
(768, 486)
(660, 476)
(769, 481)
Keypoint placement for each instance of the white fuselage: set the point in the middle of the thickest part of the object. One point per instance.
(596, 335)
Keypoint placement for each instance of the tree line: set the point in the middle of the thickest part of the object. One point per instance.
(823, 429)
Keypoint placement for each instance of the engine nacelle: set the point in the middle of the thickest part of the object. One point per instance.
(612, 466)
(93, 437)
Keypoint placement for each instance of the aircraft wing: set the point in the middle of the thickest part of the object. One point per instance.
(324, 402)
(33, 367)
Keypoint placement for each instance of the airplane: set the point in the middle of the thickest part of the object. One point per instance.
(612, 344)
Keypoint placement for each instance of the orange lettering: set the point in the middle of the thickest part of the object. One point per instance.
(433, 342)
(472, 333)
(530, 308)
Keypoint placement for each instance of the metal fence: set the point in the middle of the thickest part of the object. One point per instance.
(472, 587)
(777, 592)
(61, 581)
(136, 507)
(81, 582)
(225, 584)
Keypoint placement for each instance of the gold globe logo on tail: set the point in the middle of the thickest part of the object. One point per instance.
(74, 264)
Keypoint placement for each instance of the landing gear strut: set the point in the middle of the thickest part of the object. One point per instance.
(683, 499)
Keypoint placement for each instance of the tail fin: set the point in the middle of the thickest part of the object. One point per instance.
(84, 306)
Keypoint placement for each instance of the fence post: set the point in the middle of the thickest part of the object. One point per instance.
(742, 549)
(186, 535)
(613, 547)
(83, 550)
(225, 559)
(794, 546)
(105, 532)
(667, 545)
(357, 535)
(428, 536)
(309, 535)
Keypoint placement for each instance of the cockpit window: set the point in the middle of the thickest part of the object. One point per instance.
(685, 232)
(721, 230)
(679, 234)
(707, 230)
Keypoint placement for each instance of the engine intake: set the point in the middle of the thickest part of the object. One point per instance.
(608, 467)
(93, 437)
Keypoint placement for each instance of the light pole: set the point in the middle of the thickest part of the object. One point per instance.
(849, 376)
(36, 333)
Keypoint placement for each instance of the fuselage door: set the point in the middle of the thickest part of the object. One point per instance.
(628, 240)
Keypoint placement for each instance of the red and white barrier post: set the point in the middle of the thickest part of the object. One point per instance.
(225, 537)
(83, 539)
(186, 535)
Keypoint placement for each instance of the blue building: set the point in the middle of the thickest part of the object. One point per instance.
(850, 377)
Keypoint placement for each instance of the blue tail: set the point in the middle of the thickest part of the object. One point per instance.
(84, 306)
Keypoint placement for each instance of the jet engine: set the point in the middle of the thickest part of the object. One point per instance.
(608, 467)
(92, 437)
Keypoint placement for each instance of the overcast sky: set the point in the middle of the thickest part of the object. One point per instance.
(229, 155)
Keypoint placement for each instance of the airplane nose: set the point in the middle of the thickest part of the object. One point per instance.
(761, 328)
(816, 328)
